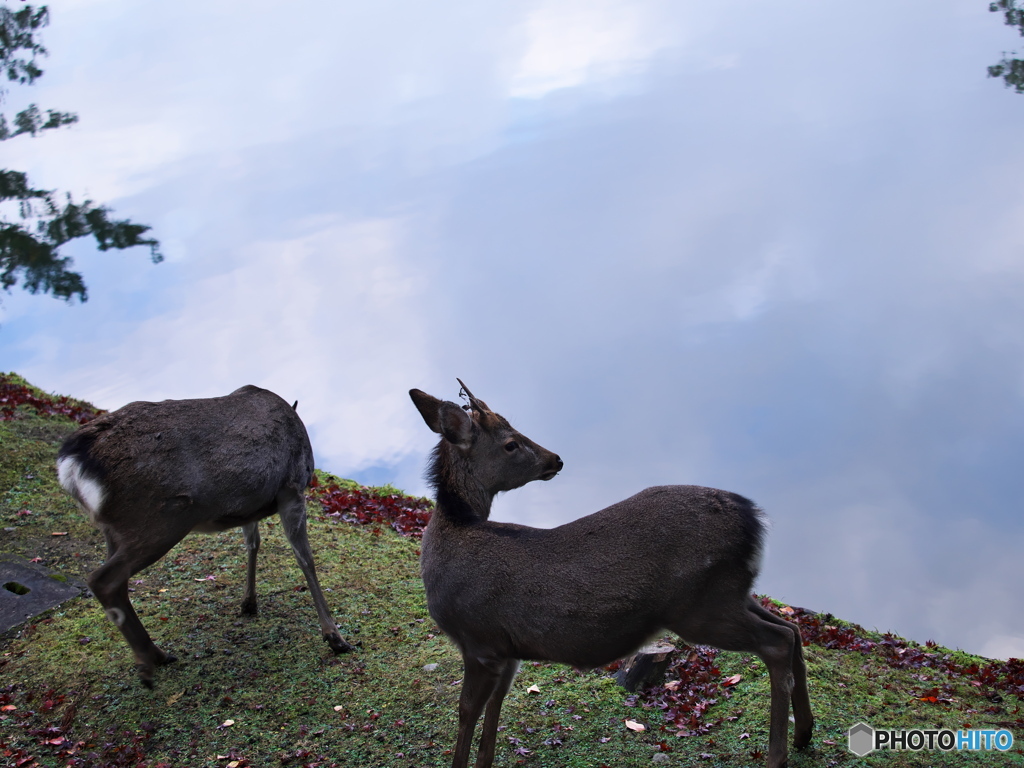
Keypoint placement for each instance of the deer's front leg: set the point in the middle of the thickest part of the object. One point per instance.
(251, 532)
(479, 681)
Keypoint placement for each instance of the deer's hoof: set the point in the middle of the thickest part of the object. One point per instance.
(802, 735)
(147, 668)
(338, 643)
(145, 674)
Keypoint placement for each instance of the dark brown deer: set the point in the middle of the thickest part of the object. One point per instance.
(148, 474)
(676, 557)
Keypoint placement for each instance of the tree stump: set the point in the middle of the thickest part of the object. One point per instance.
(645, 667)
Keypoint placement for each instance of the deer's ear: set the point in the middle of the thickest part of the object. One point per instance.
(445, 418)
(456, 425)
(428, 406)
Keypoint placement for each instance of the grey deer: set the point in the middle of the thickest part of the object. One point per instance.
(677, 557)
(148, 474)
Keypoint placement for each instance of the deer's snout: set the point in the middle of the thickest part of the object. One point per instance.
(554, 467)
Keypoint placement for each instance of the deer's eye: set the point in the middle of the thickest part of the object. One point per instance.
(511, 445)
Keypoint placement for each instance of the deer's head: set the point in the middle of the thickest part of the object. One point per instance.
(488, 448)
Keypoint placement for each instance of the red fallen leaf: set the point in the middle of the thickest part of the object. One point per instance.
(36, 560)
(56, 742)
(732, 680)
(821, 629)
(361, 506)
(13, 394)
(59, 533)
(633, 725)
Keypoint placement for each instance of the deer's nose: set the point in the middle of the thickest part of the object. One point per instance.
(555, 467)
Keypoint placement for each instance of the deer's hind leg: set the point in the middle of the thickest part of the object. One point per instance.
(802, 715)
(291, 506)
(109, 583)
(745, 630)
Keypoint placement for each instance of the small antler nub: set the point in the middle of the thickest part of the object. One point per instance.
(476, 405)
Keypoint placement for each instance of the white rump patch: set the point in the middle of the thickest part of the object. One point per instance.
(86, 491)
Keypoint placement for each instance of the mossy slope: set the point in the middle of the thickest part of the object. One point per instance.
(265, 690)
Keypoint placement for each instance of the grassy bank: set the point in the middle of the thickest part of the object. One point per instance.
(266, 691)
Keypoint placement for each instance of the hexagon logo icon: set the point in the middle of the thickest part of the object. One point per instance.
(861, 739)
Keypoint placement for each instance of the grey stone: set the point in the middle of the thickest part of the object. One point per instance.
(645, 667)
(27, 589)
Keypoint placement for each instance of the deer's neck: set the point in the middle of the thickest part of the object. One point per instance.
(461, 499)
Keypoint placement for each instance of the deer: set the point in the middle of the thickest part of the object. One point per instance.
(674, 557)
(150, 473)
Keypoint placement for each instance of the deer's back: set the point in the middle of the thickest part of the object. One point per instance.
(235, 452)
